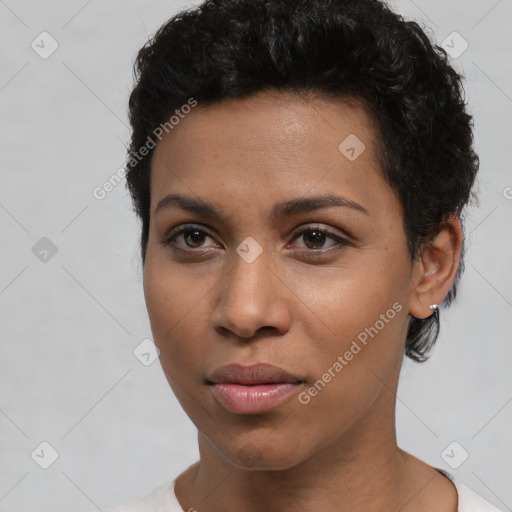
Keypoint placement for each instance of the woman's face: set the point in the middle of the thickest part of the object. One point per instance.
(320, 290)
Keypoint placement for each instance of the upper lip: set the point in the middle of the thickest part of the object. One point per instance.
(255, 374)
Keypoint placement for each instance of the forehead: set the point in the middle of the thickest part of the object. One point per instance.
(270, 119)
(267, 144)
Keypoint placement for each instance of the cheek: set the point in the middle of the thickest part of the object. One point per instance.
(170, 309)
(179, 310)
(349, 373)
(349, 298)
(354, 320)
(171, 301)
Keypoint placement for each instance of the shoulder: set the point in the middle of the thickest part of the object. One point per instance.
(161, 499)
(470, 501)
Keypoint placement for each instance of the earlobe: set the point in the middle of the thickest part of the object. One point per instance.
(437, 268)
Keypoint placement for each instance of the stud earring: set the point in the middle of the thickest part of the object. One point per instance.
(435, 313)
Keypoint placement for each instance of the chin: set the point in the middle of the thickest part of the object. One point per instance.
(254, 454)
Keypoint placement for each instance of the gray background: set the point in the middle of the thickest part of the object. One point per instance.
(68, 374)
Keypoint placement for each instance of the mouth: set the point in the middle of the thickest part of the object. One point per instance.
(252, 389)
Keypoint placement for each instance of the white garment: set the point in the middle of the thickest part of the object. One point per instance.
(163, 499)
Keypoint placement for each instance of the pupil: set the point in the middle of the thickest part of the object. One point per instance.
(317, 238)
(195, 235)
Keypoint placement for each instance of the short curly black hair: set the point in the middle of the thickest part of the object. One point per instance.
(338, 49)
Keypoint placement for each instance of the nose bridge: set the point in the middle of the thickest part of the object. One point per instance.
(250, 293)
(249, 279)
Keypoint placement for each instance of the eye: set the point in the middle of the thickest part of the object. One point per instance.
(315, 237)
(193, 237)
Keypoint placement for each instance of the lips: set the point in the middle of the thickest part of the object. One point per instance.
(252, 375)
(252, 389)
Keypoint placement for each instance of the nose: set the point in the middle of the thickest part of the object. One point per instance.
(252, 297)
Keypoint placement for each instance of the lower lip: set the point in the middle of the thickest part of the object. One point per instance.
(252, 399)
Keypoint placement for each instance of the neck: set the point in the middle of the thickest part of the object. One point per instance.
(362, 470)
(337, 478)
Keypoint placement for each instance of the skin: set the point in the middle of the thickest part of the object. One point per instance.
(298, 305)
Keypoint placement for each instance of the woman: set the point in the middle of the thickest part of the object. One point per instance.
(301, 169)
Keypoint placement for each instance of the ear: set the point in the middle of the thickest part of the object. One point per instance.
(434, 272)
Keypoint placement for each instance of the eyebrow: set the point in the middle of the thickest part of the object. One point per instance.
(279, 210)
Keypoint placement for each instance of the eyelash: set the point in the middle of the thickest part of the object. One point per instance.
(341, 242)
